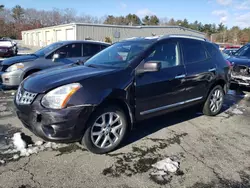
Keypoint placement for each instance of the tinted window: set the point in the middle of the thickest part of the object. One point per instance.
(70, 50)
(167, 53)
(215, 53)
(212, 49)
(90, 49)
(193, 51)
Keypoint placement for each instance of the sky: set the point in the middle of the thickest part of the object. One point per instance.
(229, 12)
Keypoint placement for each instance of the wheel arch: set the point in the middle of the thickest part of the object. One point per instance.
(26, 74)
(122, 103)
(220, 82)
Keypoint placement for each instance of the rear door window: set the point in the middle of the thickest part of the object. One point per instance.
(90, 49)
(193, 51)
(70, 50)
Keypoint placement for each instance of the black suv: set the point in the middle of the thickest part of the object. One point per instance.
(98, 102)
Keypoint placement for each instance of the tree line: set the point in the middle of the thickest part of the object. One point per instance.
(17, 19)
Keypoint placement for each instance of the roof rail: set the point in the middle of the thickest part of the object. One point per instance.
(184, 36)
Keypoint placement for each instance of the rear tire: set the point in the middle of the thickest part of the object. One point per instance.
(214, 101)
(105, 130)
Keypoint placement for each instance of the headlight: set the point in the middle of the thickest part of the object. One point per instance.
(59, 97)
(15, 67)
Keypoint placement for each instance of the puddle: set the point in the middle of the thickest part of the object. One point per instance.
(69, 149)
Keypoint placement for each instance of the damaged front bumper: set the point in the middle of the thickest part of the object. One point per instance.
(240, 80)
(240, 75)
(65, 125)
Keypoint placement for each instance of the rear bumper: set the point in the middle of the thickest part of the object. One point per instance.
(66, 125)
(11, 79)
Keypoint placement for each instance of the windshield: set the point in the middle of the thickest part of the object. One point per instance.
(243, 51)
(120, 54)
(47, 49)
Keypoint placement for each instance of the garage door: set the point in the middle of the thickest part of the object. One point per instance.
(27, 39)
(70, 34)
(39, 39)
(59, 35)
(33, 39)
(48, 37)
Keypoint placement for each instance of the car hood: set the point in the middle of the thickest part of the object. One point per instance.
(239, 60)
(42, 82)
(18, 59)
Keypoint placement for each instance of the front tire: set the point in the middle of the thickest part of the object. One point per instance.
(214, 102)
(106, 130)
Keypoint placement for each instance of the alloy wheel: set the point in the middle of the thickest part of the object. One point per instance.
(216, 100)
(107, 130)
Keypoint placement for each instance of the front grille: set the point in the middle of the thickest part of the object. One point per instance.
(25, 97)
(241, 70)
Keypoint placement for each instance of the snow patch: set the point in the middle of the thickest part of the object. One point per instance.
(162, 170)
(236, 111)
(2, 161)
(38, 143)
(22, 150)
(166, 165)
(18, 142)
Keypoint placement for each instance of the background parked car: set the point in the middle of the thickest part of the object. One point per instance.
(8, 48)
(129, 81)
(230, 51)
(14, 70)
(241, 66)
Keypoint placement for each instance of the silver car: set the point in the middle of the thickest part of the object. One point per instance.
(14, 70)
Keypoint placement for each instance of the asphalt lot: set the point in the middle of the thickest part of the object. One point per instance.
(213, 152)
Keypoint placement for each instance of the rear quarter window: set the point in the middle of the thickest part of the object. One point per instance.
(193, 51)
(214, 52)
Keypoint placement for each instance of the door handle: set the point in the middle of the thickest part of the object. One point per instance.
(212, 69)
(180, 76)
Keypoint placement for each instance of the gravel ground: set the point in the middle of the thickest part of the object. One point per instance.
(212, 152)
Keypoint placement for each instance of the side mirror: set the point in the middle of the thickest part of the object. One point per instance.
(55, 57)
(150, 66)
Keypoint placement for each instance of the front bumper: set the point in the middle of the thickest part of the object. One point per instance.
(11, 79)
(240, 80)
(66, 125)
(6, 54)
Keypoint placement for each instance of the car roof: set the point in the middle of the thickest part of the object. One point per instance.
(161, 37)
(84, 41)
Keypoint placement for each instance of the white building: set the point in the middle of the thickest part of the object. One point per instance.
(82, 31)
